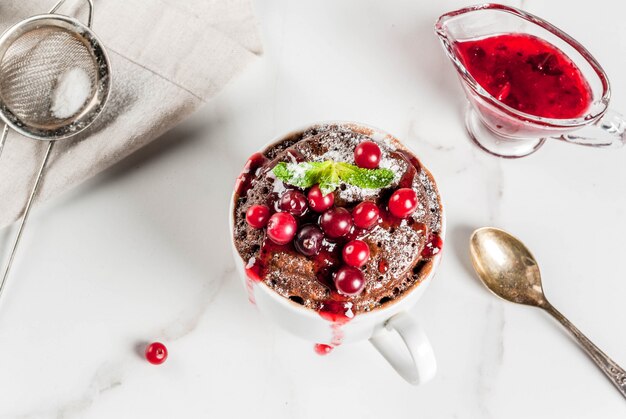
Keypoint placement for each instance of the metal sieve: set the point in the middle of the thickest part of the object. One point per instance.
(54, 82)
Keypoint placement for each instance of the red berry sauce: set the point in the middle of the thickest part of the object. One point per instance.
(249, 173)
(322, 349)
(383, 266)
(528, 74)
(336, 310)
(338, 313)
(433, 246)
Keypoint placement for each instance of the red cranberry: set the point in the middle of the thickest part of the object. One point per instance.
(356, 253)
(433, 246)
(281, 228)
(309, 239)
(403, 202)
(257, 216)
(349, 280)
(156, 353)
(293, 202)
(367, 155)
(319, 202)
(365, 215)
(336, 222)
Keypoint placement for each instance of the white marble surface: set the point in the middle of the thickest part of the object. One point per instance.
(141, 253)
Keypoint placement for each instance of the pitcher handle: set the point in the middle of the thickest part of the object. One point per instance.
(415, 360)
(607, 132)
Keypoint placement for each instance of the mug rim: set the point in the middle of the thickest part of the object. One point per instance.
(434, 262)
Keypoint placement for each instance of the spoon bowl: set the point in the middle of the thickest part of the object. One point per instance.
(506, 266)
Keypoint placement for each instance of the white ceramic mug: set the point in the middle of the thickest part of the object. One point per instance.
(414, 360)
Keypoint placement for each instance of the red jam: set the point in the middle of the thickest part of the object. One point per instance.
(338, 313)
(433, 246)
(528, 74)
(383, 266)
(334, 311)
(322, 349)
(249, 173)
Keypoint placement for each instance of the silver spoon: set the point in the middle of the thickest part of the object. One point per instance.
(511, 272)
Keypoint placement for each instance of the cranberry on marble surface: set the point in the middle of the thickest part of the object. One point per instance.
(156, 353)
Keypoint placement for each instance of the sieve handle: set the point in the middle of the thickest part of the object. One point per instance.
(89, 19)
(3, 138)
(29, 203)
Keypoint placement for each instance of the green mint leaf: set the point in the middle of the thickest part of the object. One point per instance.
(319, 171)
(282, 172)
(303, 175)
(365, 178)
(329, 175)
(329, 179)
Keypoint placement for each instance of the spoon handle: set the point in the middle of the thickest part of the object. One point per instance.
(614, 372)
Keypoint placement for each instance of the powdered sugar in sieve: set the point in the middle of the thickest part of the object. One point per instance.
(73, 89)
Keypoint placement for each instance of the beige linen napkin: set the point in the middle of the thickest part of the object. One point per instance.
(167, 58)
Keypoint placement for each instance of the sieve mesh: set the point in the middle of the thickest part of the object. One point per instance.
(31, 68)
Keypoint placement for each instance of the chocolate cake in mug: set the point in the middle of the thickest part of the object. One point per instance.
(337, 221)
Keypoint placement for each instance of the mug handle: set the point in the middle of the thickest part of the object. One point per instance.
(415, 362)
(607, 132)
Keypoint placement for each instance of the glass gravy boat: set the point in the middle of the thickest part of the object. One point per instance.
(507, 132)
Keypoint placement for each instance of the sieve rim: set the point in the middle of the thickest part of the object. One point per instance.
(103, 72)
